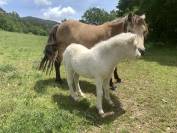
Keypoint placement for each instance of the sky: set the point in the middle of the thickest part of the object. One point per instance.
(55, 9)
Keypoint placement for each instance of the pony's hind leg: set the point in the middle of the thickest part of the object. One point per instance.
(70, 76)
(78, 89)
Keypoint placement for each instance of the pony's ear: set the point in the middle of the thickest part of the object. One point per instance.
(143, 16)
(130, 16)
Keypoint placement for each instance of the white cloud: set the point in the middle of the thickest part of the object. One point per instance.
(3, 2)
(58, 13)
(43, 2)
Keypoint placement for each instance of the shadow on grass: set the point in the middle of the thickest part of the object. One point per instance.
(162, 54)
(41, 85)
(82, 108)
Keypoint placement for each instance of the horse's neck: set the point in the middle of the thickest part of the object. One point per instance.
(116, 27)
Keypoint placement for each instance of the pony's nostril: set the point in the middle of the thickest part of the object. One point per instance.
(141, 51)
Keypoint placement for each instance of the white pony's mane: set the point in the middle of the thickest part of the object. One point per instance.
(123, 38)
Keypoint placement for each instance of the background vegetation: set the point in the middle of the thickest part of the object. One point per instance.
(98, 16)
(13, 22)
(161, 16)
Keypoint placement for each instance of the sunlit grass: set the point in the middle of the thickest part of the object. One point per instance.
(30, 101)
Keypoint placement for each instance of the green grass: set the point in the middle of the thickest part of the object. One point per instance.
(32, 102)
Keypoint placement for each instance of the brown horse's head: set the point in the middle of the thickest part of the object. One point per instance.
(137, 24)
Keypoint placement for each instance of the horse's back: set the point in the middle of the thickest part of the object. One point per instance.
(72, 31)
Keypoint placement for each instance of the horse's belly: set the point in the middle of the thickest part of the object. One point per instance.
(84, 74)
(83, 71)
(82, 67)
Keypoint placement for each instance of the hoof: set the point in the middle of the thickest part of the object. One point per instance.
(101, 113)
(107, 114)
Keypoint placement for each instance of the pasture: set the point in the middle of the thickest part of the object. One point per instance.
(31, 101)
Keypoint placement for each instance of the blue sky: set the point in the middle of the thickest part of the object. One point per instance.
(55, 9)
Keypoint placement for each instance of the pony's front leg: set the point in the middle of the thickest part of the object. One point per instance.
(106, 91)
(78, 89)
(70, 76)
(99, 91)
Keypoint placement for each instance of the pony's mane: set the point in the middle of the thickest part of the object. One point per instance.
(120, 37)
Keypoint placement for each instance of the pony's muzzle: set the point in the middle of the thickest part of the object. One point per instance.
(142, 51)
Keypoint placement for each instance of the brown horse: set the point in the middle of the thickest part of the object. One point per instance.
(72, 31)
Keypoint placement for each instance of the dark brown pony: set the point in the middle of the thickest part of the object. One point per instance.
(72, 31)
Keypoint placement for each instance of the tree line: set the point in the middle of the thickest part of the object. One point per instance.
(161, 16)
(14, 23)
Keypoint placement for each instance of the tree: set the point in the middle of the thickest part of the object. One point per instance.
(97, 16)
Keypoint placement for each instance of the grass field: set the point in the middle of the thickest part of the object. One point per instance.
(31, 102)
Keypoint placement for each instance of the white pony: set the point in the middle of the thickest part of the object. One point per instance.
(99, 63)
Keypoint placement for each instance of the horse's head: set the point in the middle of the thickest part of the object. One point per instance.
(137, 24)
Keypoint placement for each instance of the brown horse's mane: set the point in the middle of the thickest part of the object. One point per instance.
(118, 20)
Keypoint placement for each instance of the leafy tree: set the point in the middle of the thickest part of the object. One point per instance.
(97, 16)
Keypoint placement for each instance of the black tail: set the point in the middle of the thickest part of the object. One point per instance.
(52, 35)
(50, 51)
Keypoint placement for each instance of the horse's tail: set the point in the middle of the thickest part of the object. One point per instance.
(50, 51)
(52, 35)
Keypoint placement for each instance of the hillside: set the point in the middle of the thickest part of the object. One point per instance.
(13, 22)
(31, 101)
(46, 23)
